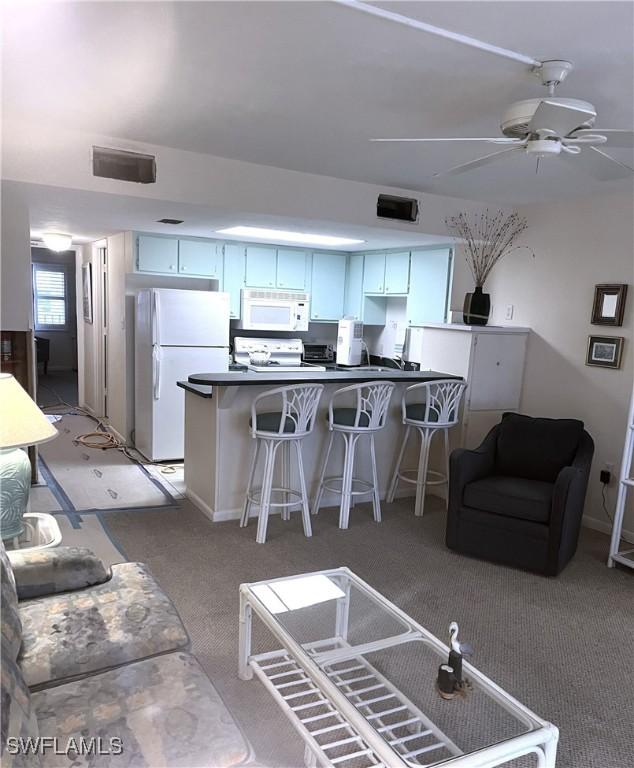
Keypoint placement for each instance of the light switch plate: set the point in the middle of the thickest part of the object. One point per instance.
(509, 312)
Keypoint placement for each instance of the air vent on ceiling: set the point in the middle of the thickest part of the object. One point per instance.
(169, 221)
(401, 208)
(123, 165)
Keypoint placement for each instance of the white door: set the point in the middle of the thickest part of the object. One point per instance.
(173, 364)
(190, 318)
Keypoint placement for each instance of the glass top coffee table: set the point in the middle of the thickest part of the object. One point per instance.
(356, 677)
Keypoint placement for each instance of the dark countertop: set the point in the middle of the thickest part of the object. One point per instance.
(201, 383)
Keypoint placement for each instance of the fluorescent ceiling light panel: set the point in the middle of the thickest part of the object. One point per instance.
(301, 238)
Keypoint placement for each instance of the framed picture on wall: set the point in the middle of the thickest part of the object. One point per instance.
(86, 283)
(609, 304)
(605, 351)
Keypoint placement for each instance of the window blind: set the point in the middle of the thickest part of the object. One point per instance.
(49, 284)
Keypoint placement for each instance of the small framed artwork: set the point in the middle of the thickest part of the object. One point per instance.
(86, 283)
(605, 351)
(609, 304)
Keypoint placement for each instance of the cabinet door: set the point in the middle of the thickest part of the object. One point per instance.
(428, 286)
(291, 269)
(397, 272)
(374, 273)
(497, 372)
(234, 266)
(157, 254)
(200, 257)
(328, 286)
(261, 266)
(353, 302)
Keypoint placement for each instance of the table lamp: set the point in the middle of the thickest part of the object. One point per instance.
(22, 424)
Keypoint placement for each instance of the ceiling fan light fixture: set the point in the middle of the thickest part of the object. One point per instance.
(544, 147)
(57, 241)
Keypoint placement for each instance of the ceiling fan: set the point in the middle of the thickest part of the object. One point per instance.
(550, 126)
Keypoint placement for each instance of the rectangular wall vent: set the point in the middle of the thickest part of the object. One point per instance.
(169, 221)
(123, 165)
(400, 208)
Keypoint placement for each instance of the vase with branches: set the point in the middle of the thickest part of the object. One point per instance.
(485, 238)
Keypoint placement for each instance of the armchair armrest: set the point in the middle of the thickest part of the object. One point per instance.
(466, 466)
(62, 569)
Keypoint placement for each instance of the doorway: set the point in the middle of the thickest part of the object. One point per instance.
(55, 323)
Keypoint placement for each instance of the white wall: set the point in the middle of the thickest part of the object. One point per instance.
(16, 309)
(89, 334)
(577, 245)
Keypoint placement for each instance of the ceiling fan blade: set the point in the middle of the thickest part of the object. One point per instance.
(616, 137)
(559, 118)
(600, 165)
(485, 160)
(500, 140)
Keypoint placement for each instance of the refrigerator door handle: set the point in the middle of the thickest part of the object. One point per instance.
(156, 371)
(156, 318)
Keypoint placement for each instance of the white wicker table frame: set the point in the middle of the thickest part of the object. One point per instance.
(307, 683)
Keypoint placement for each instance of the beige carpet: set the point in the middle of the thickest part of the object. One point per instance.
(564, 647)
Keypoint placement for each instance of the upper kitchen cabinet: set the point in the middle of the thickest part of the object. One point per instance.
(200, 258)
(397, 273)
(429, 284)
(328, 282)
(374, 273)
(157, 254)
(291, 269)
(353, 301)
(261, 266)
(234, 276)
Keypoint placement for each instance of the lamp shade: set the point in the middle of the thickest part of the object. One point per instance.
(21, 421)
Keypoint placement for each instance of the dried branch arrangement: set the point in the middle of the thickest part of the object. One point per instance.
(486, 238)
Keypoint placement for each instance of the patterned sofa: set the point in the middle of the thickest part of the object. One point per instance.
(96, 662)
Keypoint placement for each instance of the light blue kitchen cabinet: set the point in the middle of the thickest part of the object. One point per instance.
(353, 301)
(328, 281)
(397, 272)
(234, 276)
(429, 284)
(374, 273)
(157, 254)
(200, 258)
(261, 266)
(291, 269)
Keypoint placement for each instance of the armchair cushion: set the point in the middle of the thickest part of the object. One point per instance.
(164, 710)
(11, 634)
(536, 448)
(47, 571)
(18, 715)
(127, 618)
(511, 497)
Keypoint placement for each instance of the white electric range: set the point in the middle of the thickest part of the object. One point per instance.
(285, 354)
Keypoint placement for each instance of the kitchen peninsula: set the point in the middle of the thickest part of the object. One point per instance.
(218, 445)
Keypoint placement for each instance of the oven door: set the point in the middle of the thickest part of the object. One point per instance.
(263, 315)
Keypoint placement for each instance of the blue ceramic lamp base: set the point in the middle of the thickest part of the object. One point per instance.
(15, 485)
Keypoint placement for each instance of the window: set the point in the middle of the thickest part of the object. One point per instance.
(50, 297)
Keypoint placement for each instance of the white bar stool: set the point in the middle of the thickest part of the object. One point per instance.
(366, 418)
(273, 429)
(440, 410)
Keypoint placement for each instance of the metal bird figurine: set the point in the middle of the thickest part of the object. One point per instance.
(450, 682)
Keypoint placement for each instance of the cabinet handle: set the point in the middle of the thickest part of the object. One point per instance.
(387, 287)
(171, 266)
(380, 287)
(281, 285)
(184, 269)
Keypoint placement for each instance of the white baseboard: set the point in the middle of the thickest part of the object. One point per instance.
(606, 527)
(198, 502)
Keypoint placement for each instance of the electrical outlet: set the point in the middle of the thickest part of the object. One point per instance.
(605, 476)
(509, 312)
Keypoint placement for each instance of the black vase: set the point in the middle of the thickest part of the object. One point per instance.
(477, 306)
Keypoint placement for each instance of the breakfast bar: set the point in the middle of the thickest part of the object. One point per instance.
(218, 445)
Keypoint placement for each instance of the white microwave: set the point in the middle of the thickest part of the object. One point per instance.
(262, 310)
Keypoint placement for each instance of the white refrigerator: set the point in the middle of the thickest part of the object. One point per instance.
(177, 333)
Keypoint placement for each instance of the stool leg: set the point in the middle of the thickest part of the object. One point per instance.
(302, 486)
(446, 431)
(267, 483)
(346, 483)
(423, 461)
(286, 477)
(244, 520)
(322, 474)
(394, 482)
(376, 497)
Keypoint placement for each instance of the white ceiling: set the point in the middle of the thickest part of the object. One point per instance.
(304, 85)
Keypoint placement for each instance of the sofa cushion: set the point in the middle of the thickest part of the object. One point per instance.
(511, 497)
(11, 626)
(18, 716)
(537, 449)
(125, 619)
(164, 710)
